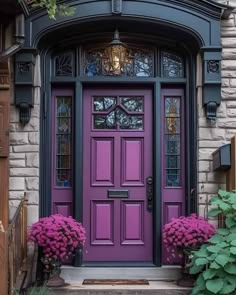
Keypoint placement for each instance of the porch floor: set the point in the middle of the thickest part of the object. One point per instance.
(162, 281)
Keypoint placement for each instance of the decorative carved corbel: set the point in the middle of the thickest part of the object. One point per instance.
(211, 81)
(116, 6)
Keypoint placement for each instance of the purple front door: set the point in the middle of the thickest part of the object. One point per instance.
(117, 159)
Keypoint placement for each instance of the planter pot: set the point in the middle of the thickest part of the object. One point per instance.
(56, 281)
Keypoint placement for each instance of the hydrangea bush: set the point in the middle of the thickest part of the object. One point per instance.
(58, 236)
(187, 233)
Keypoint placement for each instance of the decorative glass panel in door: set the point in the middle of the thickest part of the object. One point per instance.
(173, 186)
(117, 160)
(62, 102)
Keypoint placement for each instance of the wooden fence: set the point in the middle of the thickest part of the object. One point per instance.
(13, 248)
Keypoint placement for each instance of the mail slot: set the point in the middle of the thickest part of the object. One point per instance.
(117, 193)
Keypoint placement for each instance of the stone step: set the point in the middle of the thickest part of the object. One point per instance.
(154, 288)
(165, 273)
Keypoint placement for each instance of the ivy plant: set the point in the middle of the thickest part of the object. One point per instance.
(215, 262)
(53, 8)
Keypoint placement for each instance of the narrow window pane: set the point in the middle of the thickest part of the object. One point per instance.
(172, 65)
(172, 141)
(63, 141)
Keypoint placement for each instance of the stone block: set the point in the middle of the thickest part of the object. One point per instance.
(213, 133)
(227, 23)
(33, 214)
(35, 112)
(208, 188)
(32, 160)
(231, 104)
(232, 83)
(18, 138)
(228, 93)
(228, 42)
(34, 137)
(14, 114)
(17, 156)
(229, 53)
(230, 133)
(216, 177)
(32, 183)
(24, 171)
(204, 166)
(226, 123)
(33, 197)
(17, 163)
(228, 65)
(205, 154)
(202, 177)
(211, 143)
(228, 74)
(225, 82)
(25, 148)
(33, 125)
(202, 199)
(231, 113)
(16, 195)
(16, 183)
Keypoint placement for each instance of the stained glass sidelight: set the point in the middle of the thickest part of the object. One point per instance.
(118, 112)
(172, 141)
(63, 141)
(172, 65)
(63, 64)
(138, 63)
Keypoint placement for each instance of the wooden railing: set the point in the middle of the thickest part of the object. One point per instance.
(13, 248)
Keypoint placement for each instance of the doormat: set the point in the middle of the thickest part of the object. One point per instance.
(115, 282)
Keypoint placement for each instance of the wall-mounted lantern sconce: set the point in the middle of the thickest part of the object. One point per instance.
(211, 81)
(222, 158)
(116, 52)
(24, 75)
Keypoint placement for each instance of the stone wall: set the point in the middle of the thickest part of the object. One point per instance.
(210, 137)
(24, 155)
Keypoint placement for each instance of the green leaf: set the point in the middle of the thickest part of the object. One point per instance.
(223, 245)
(233, 250)
(230, 268)
(233, 243)
(228, 288)
(202, 252)
(215, 286)
(195, 269)
(223, 231)
(201, 261)
(234, 206)
(214, 249)
(231, 237)
(224, 206)
(223, 193)
(214, 212)
(216, 239)
(229, 222)
(222, 259)
(214, 265)
(233, 229)
(209, 273)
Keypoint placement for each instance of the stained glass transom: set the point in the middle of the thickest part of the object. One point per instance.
(138, 63)
(172, 142)
(64, 64)
(63, 141)
(172, 65)
(118, 113)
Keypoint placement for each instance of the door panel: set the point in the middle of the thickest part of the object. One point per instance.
(117, 153)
